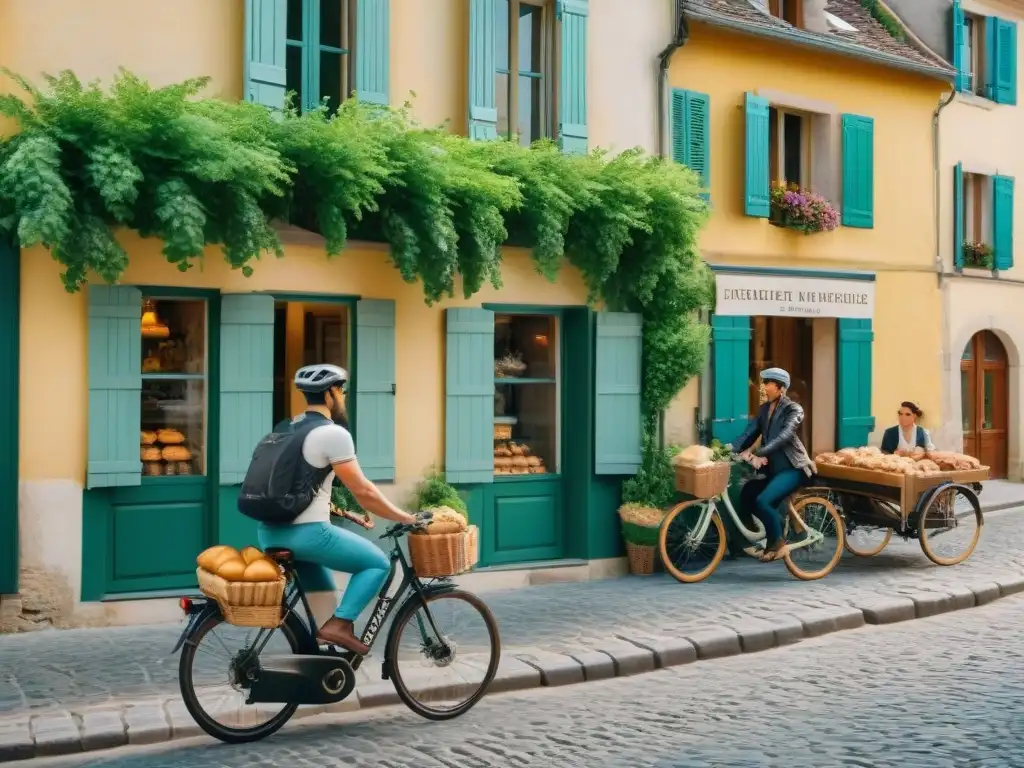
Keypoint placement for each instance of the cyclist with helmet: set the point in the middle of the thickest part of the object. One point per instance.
(310, 536)
(777, 423)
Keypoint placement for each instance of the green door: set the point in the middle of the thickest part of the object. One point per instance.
(9, 309)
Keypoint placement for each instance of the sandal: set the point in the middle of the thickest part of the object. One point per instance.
(777, 552)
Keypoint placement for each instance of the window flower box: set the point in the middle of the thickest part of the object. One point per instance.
(978, 255)
(801, 209)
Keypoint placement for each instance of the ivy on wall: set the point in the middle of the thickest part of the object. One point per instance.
(197, 172)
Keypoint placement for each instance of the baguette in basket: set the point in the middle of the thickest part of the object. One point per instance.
(447, 546)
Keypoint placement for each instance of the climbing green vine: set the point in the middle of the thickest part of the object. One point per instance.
(198, 172)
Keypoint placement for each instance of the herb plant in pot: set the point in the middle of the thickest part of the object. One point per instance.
(645, 496)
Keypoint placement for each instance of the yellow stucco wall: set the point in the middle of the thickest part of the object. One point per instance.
(900, 248)
(54, 338)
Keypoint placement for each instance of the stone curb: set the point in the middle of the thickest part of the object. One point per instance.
(160, 720)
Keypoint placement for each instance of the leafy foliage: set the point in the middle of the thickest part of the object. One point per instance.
(654, 484)
(434, 491)
(197, 172)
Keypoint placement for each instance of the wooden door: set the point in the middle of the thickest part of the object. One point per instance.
(984, 395)
(10, 290)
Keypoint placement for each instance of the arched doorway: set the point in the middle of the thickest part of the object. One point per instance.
(984, 399)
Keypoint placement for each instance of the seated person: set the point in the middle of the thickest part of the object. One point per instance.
(907, 436)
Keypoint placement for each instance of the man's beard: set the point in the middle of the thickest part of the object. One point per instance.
(339, 417)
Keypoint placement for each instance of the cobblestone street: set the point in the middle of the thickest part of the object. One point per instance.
(936, 692)
(75, 668)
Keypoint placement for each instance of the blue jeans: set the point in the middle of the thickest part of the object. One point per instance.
(334, 549)
(769, 501)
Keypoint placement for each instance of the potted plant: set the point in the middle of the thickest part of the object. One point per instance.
(978, 255)
(800, 209)
(645, 497)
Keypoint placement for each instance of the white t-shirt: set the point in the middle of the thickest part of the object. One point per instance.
(911, 445)
(324, 446)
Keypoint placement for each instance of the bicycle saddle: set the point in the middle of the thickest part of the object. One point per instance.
(279, 554)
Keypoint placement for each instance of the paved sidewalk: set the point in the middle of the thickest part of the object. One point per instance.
(63, 691)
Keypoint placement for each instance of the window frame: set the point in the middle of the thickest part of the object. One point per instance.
(975, 37)
(778, 8)
(209, 377)
(309, 73)
(977, 195)
(551, 51)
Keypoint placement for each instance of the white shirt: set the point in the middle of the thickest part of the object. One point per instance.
(324, 446)
(911, 445)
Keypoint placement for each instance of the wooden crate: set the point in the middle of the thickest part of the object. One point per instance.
(905, 490)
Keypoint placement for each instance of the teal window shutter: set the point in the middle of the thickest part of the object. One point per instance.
(958, 216)
(730, 338)
(691, 133)
(246, 379)
(375, 388)
(853, 368)
(961, 60)
(858, 171)
(115, 386)
(1002, 221)
(757, 187)
(469, 396)
(572, 92)
(483, 104)
(1001, 60)
(265, 29)
(618, 427)
(373, 50)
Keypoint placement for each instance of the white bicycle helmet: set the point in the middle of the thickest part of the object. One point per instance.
(320, 377)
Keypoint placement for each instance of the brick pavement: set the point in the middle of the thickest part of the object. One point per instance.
(52, 678)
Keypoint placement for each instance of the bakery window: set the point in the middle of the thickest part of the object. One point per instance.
(174, 387)
(526, 394)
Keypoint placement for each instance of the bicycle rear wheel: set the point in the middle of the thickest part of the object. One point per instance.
(227, 661)
(687, 553)
(816, 561)
(426, 642)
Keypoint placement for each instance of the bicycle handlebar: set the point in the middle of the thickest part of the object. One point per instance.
(423, 517)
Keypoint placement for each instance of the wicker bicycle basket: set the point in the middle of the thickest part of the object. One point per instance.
(703, 481)
(444, 554)
(244, 603)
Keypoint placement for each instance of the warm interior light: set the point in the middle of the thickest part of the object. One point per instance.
(541, 339)
(152, 328)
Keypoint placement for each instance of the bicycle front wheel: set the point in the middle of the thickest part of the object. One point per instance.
(690, 545)
(443, 653)
(817, 560)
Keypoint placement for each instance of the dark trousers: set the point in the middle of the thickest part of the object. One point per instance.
(764, 497)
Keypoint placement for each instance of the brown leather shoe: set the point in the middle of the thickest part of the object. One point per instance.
(341, 632)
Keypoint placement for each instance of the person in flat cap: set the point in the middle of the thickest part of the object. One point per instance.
(788, 466)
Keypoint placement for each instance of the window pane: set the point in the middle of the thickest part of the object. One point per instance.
(994, 352)
(530, 58)
(293, 74)
(526, 411)
(792, 145)
(332, 78)
(332, 24)
(968, 351)
(529, 115)
(173, 439)
(501, 34)
(966, 406)
(969, 50)
(990, 384)
(294, 29)
(502, 96)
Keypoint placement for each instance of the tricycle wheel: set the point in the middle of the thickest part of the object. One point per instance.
(949, 525)
(866, 540)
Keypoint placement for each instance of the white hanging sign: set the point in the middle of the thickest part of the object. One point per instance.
(783, 296)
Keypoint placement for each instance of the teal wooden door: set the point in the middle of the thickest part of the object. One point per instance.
(731, 350)
(9, 333)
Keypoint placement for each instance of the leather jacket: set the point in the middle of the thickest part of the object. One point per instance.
(778, 436)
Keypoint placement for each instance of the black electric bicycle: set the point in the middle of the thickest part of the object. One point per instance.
(298, 670)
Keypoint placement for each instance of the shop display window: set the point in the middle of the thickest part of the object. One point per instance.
(174, 387)
(526, 395)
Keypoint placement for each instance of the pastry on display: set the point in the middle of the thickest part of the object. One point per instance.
(183, 467)
(176, 453)
(152, 468)
(915, 463)
(170, 437)
(150, 453)
(147, 437)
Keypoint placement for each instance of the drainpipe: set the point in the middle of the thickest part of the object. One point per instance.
(939, 266)
(680, 35)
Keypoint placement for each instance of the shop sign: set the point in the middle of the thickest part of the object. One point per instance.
(783, 296)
